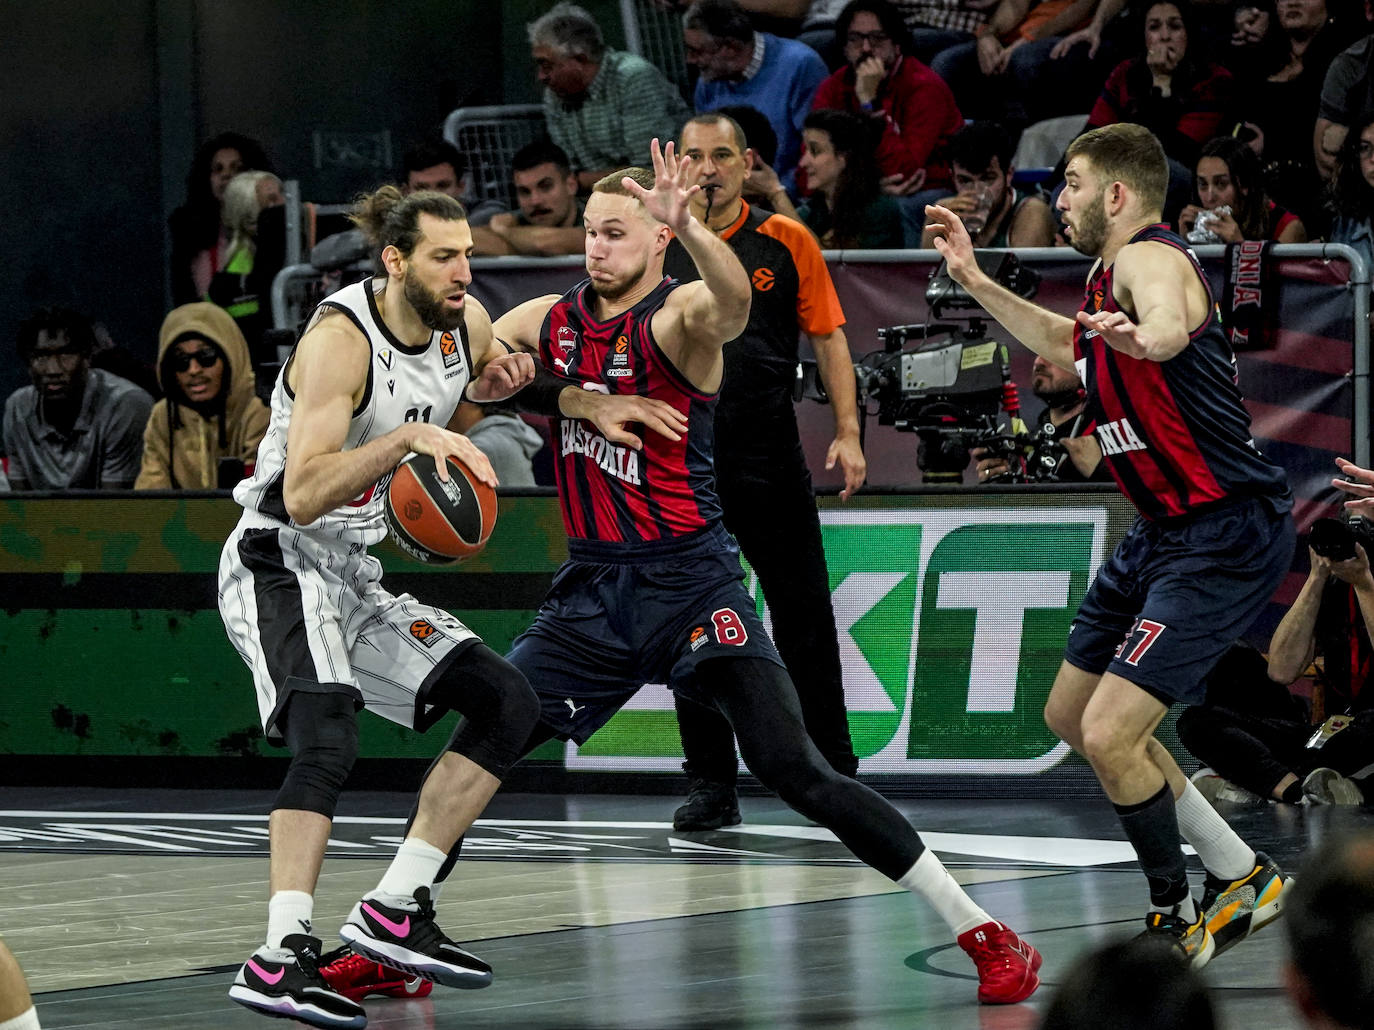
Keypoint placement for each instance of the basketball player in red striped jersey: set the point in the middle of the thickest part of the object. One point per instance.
(653, 590)
(1212, 542)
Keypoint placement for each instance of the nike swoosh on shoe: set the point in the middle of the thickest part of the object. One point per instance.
(401, 929)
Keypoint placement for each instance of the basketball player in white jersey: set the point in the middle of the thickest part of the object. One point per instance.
(377, 375)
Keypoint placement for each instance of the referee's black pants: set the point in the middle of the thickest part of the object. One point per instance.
(770, 508)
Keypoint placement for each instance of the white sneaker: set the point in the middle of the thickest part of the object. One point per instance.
(1328, 787)
(1215, 788)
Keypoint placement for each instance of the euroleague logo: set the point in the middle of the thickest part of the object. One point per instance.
(413, 510)
(1098, 297)
(424, 631)
(448, 347)
(763, 279)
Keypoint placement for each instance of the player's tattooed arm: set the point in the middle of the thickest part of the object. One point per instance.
(500, 370)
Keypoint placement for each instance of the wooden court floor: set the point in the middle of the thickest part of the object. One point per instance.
(133, 909)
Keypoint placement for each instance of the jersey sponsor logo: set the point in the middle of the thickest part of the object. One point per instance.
(391, 387)
(573, 708)
(763, 279)
(424, 631)
(566, 342)
(620, 462)
(448, 347)
(619, 373)
(1118, 437)
(384, 356)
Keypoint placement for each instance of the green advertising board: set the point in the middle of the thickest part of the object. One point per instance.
(952, 611)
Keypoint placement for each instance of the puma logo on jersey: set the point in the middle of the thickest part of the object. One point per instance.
(573, 709)
(1116, 437)
(621, 462)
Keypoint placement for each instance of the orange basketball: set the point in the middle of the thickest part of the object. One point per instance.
(434, 521)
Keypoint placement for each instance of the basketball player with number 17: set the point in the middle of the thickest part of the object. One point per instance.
(1213, 540)
(377, 375)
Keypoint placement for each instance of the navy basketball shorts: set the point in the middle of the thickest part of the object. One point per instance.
(610, 626)
(1172, 599)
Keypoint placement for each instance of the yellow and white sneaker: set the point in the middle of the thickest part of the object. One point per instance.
(1237, 909)
(1192, 939)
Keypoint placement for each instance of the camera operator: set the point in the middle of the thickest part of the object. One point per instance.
(1257, 736)
(1063, 421)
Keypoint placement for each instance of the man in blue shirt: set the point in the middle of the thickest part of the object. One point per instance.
(774, 75)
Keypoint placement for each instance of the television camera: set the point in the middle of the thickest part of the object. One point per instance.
(951, 385)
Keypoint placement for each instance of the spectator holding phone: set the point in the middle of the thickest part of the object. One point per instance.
(204, 433)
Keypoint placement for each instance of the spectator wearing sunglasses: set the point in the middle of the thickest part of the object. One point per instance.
(76, 427)
(205, 433)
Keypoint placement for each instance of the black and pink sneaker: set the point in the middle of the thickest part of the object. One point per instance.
(402, 933)
(291, 987)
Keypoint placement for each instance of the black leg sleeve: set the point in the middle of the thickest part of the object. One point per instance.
(774, 518)
(707, 741)
(761, 704)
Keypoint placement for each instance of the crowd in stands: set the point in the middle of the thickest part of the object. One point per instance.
(857, 116)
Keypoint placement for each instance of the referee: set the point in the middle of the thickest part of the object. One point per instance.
(764, 484)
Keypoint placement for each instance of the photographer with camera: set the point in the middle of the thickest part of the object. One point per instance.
(1064, 424)
(1259, 740)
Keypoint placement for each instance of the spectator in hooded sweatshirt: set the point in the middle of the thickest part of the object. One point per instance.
(205, 432)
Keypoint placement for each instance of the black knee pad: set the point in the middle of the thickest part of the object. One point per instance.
(500, 709)
(321, 729)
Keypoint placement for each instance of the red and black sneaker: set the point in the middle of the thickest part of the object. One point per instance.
(1006, 964)
(357, 976)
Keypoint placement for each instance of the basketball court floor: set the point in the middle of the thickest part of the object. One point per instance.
(133, 909)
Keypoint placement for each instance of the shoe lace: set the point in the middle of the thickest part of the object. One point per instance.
(992, 951)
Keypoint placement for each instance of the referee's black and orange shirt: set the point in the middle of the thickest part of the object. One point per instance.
(793, 294)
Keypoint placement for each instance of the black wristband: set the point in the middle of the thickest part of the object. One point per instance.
(540, 397)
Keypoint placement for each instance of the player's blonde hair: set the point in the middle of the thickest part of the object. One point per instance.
(611, 183)
(1127, 153)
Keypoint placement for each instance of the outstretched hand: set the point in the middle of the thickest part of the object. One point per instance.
(1117, 331)
(669, 198)
(953, 242)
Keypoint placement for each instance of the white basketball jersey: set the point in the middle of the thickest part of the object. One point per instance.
(404, 384)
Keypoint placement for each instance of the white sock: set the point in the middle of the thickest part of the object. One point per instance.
(24, 1021)
(288, 912)
(930, 879)
(416, 865)
(1186, 908)
(1225, 855)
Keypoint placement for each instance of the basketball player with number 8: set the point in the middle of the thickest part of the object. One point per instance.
(631, 363)
(377, 375)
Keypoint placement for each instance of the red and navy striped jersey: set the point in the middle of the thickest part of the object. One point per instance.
(609, 492)
(1174, 433)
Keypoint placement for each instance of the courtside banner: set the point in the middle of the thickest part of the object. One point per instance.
(951, 619)
(951, 610)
